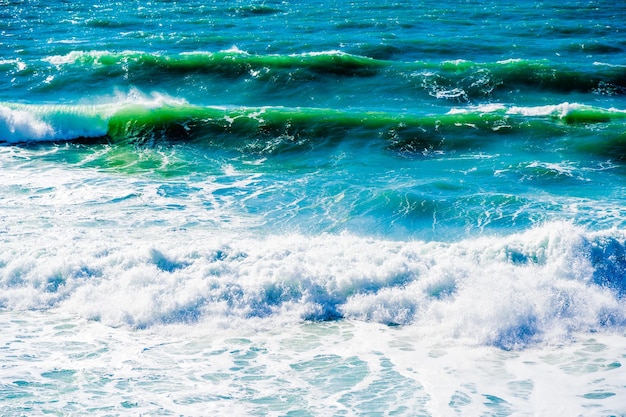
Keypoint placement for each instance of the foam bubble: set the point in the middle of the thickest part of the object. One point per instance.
(334, 52)
(561, 110)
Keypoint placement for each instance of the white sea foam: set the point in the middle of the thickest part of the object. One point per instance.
(235, 50)
(78, 56)
(17, 63)
(334, 52)
(47, 122)
(71, 57)
(77, 366)
(22, 125)
(510, 61)
(526, 288)
(457, 62)
(605, 64)
(559, 110)
(111, 302)
(152, 100)
(115, 251)
(483, 108)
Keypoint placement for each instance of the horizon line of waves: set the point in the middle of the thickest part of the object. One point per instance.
(272, 129)
(542, 285)
(459, 80)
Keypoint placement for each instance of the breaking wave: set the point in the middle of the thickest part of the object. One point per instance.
(542, 284)
(270, 128)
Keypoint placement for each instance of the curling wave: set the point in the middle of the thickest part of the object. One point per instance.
(270, 128)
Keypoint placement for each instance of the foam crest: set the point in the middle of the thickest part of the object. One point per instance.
(14, 63)
(480, 109)
(49, 122)
(456, 81)
(559, 110)
(89, 57)
(153, 100)
(568, 112)
(541, 285)
(230, 62)
(22, 123)
(18, 125)
(535, 286)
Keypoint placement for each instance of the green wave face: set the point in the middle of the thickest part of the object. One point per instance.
(267, 130)
(233, 63)
(293, 78)
(490, 166)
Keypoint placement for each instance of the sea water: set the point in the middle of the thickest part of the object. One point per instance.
(312, 208)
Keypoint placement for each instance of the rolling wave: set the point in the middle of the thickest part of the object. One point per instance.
(230, 63)
(457, 80)
(268, 129)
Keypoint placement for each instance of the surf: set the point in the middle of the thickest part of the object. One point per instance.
(542, 285)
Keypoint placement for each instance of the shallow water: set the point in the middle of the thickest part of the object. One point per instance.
(65, 365)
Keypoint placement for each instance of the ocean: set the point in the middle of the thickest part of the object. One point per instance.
(322, 208)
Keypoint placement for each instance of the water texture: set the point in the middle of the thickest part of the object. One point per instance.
(329, 208)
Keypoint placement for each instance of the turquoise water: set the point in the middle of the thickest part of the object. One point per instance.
(330, 208)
